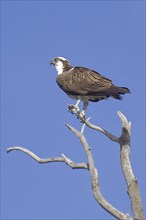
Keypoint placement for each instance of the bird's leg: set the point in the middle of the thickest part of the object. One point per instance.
(74, 109)
(81, 116)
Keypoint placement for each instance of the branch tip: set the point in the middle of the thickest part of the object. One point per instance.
(76, 132)
(83, 126)
(63, 155)
(13, 148)
(68, 126)
(9, 149)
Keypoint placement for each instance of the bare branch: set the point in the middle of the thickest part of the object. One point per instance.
(131, 181)
(83, 127)
(64, 159)
(73, 165)
(103, 131)
(95, 180)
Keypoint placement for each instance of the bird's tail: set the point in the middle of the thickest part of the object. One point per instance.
(118, 91)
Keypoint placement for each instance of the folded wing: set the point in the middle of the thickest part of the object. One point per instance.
(82, 81)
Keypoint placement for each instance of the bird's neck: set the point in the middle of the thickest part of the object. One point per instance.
(61, 68)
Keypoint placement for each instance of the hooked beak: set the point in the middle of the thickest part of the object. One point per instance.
(52, 62)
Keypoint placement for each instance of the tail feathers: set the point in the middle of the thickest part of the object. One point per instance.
(118, 91)
(123, 90)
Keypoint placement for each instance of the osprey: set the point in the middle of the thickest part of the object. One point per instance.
(84, 85)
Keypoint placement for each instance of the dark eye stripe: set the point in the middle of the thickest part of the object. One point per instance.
(56, 59)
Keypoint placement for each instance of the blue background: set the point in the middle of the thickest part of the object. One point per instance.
(107, 36)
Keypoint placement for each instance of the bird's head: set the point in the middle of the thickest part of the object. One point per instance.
(61, 64)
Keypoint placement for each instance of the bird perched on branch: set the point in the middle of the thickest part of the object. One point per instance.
(84, 85)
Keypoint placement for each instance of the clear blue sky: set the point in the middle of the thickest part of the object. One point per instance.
(107, 36)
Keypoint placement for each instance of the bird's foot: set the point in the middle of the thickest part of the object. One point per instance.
(81, 116)
(73, 109)
(76, 111)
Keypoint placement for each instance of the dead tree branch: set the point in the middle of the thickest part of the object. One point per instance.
(131, 181)
(64, 158)
(95, 180)
(132, 184)
(103, 131)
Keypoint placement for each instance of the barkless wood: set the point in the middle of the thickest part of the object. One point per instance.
(131, 181)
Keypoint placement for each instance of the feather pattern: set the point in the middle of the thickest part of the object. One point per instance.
(82, 81)
(85, 84)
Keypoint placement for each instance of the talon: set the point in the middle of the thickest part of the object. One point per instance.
(69, 107)
(77, 113)
(82, 120)
(81, 116)
(73, 109)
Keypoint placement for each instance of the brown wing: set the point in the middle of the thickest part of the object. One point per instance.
(83, 81)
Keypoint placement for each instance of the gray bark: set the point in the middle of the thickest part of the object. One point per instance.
(131, 181)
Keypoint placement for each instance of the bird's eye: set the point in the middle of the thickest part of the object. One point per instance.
(56, 60)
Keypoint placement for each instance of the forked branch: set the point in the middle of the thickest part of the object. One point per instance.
(64, 158)
(132, 184)
(95, 179)
(131, 181)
